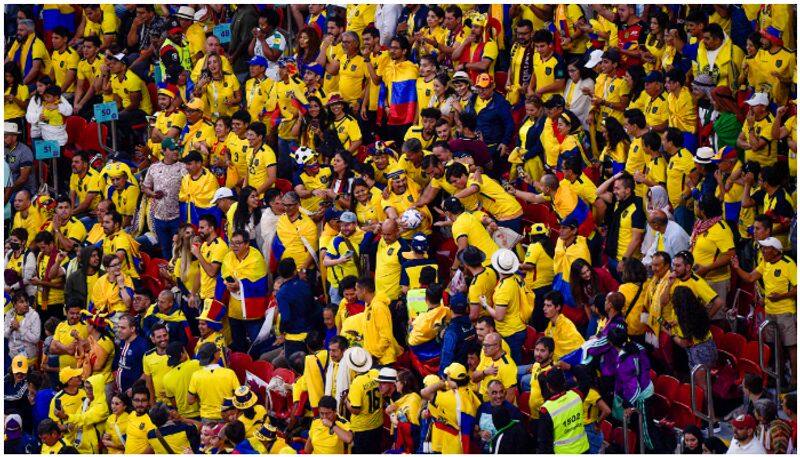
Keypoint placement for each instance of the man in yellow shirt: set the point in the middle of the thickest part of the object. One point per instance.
(475, 55)
(496, 365)
(177, 378)
(100, 21)
(120, 243)
(124, 194)
(26, 216)
(509, 302)
(85, 187)
(378, 337)
(154, 362)
(29, 53)
(169, 123)
(197, 130)
(297, 235)
(468, 230)
(779, 275)
(365, 403)
(260, 159)
(611, 92)
(449, 398)
(122, 86)
(680, 164)
(682, 108)
(494, 199)
(549, 70)
(88, 89)
(684, 275)
(388, 260)
(756, 135)
(210, 255)
(139, 424)
(560, 328)
(330, 433)
(196, 191)
(67, 334)
(713, 249)
(352, 70)
(211, 384)
(400, 196)
(65, 62)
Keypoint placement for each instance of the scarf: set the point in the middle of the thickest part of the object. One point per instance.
(701, 227)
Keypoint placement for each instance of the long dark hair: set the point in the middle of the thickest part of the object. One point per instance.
(242, 214)
(615, 131)
(578, 286)
(634, 271)
(692, 317)
(637, 76)
(312, 51)
(16, 75)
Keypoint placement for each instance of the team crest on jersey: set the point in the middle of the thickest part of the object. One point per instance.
(390, 251)
(353, 67)
(341, 129)
(611, 88)
(323, 179)
(654, 110)
(141, 426)
(410, 198)
(778, 273)
(61, 64)
(548, 70)
(427, 92)
(778, 63)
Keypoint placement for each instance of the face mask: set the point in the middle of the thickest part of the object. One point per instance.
(14, 246)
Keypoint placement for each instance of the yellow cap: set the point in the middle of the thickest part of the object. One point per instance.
(196, 104)
(396, 172)
(539, 229)
(430, 380)
(116, 172)
(166, 92)
(484, 80)
(19, 364)
(478, 20)
(68, 373)
(456, 371)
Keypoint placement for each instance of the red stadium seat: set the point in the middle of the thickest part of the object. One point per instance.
(667, 386)
(75, 126)
(717, 334)
(745, 366)
(660, 406)
(682, 416)
(750, 352)
(607, 430)
(239, 362)
(527, 347)
(524, 403)
(684, 396)
(283, 185)
(733, 343)
(88, 140)
(284, 373)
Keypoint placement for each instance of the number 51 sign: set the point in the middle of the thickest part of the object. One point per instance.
(106, 112)
(46, 149)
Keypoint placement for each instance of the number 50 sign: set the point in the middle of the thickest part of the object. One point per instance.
(106, 112)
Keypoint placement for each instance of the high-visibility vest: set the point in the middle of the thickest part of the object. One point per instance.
(569, 435)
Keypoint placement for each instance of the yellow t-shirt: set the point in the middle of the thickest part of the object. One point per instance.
(116, 427)
(256, 94)
(324, 441)
(88, 72)
(633, 310)
(257, 164)
(348, 130)
(542, 273)
(365, 394)
(64, 61)
(484, 284)
(632, 219)
(107, 26)
(216, 93)
(37, 49)
(444, 409)
(63, 336)
(714, 242)
(682, 110)
(214, 253)
(125, 200)
(155, 366)
(12, 110)
(199, 191)
(90, 182)
(201, 131)
(106, 295)
(565, 335)
(352, 78)
(548, 72)
(131, 83)
(138, 427)
(509, 293)
(767, 155)
(32, 224)
(212, 384)
(55, 295)
(495, 200)
(506, 373)
(176, 384)
(469, 225)
(590, 409)
(122, 241)
(164, 123)
(678, 168)
(611, 89)
(778, 278)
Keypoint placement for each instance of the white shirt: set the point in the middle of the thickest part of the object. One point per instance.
(275, 41)
(386, 17)
(675, 240)
(753, 447)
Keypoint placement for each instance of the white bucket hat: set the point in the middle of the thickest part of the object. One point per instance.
(185, 12)
(358, 359)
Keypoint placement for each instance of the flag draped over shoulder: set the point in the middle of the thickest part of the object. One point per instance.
(250, 302)
(399, 92)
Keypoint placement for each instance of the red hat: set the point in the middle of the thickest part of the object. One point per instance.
(744, 421)
(729, 152)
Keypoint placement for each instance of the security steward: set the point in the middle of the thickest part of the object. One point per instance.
(561, 428)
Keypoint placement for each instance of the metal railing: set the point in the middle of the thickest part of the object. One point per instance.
(708, 417)
(625, 431)
(777, 351)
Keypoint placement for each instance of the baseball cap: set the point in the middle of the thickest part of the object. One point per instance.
(484, 80)
(316, 69)
(539, 229)
(169, 143)
(744, 421)
(570, 221)
(419, 243)
(758, 98)
(258, 60)
(348, 217)
(118, 56)
(594, 58)
(195, 104)
(13, 427)
(456, 371)
(332, 214)
(19, 364)
(387, 374)
(174, 353)
(68, 373)
(771, 242)
(461, 76)
(612, 55)
(458, 303)
(192, 156)
(222, 192)
(555, 101)
(654, 77)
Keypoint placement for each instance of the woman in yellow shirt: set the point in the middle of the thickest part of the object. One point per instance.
(616, 149)
(539, 271)
(368, 204)
(431, 39)
(186, 268)
(16, 96)
(655, 44)
(219, 156)
(116, 424)
(634, 279)
(219, 90)
(98, 349)
(404, 413)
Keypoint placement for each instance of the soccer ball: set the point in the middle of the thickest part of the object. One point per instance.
(411, 218)
(303, 155)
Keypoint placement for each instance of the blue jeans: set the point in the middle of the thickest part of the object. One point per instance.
(685, 218)
(333, 292)
(513, 224)
(244, 332)
(595, 438)
(515, 343)
(524, 377)
(165, 230)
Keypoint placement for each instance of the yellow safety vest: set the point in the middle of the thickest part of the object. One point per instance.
(569, 435)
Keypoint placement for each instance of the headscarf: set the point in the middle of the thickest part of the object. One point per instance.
(659, 199)
(726, 103)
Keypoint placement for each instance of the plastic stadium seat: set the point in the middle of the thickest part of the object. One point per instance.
(716, 334)
(239, 362)
(667, 386)
(684, 396)
(88, 140)
(750, 352)
(733, 343)
(75, 126)
(745, 366)
(607, 430)
(262, 369)
(653, 375)
(524, 403)
(682, 416)
(283, 185)
(660, 406)
(531, 337)
(617, 439)
(284, 373)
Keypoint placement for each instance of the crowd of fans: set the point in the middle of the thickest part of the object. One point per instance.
(404, 229)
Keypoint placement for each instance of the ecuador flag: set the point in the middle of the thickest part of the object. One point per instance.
(250, 273)
(400, 79)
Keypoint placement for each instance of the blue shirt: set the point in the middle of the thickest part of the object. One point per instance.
(295, 302)
(128, 362)
(457, 335)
